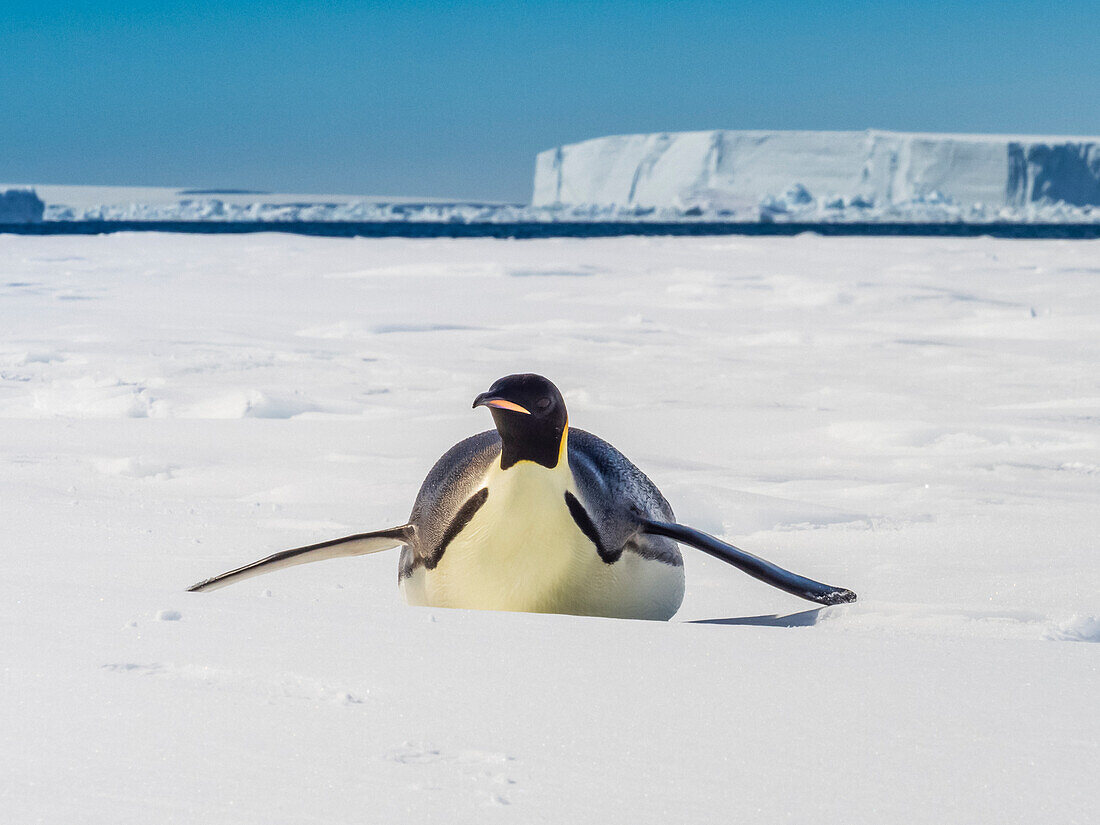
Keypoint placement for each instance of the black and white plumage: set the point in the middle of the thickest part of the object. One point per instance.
(538, 517)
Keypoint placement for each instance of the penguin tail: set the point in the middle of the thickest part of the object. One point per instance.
(755, 566)
(360, 544)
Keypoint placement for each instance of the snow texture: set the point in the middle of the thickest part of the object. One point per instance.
(740, 169)
(20, 206)
(916, 419)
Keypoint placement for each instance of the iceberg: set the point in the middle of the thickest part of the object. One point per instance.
(698, 177)
(20, 206)
(738, 170)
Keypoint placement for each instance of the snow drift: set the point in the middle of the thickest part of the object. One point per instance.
(736, 169)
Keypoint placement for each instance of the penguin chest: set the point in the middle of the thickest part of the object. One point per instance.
(521, 550)
(524, 551)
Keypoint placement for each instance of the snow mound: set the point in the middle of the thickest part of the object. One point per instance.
(1078, 629)
(135, 467)
(251, 404)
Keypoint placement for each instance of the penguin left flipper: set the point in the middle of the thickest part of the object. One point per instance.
(360, 544)
(755, 566)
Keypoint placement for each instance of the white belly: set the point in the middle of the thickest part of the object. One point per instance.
(523, 551)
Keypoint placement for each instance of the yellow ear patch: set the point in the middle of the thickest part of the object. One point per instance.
(563, 449)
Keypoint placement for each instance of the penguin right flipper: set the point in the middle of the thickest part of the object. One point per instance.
(358, 545)
(755, 566)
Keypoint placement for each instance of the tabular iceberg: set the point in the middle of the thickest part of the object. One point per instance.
(739, 169)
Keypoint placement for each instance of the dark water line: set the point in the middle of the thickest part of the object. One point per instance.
(563, 229)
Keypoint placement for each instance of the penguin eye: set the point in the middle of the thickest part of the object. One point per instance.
(543, 404)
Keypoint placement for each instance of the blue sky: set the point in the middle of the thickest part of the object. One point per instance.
(455, 99)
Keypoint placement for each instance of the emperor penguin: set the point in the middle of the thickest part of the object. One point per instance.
(535, 516)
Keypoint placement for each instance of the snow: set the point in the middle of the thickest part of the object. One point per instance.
(912, 418)
(736, 170)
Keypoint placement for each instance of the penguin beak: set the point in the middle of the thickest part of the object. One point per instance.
(486, 400)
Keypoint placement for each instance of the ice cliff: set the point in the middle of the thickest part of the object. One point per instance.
(735, 170)
(20, 206)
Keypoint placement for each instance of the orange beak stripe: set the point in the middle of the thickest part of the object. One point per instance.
(501, 404)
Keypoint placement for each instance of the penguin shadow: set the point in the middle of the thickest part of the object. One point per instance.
(806, 618)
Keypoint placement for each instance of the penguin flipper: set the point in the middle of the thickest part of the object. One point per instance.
(755, 566)
(360, 544)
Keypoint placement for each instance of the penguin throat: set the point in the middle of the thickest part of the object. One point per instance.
(541, 447)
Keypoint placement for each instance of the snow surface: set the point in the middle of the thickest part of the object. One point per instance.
(735, 170)
(916, 419)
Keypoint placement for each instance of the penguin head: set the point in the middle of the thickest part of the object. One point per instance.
(530, 416)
